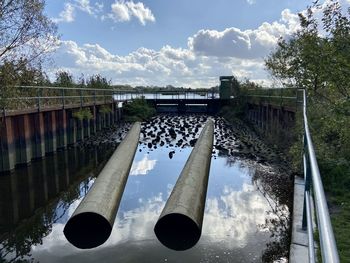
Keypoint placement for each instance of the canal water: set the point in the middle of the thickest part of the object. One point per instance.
(246, 215)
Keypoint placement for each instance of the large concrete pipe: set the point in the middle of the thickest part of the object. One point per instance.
(91, 223)
(179, 226)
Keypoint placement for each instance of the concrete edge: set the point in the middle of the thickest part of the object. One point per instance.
(299, 241)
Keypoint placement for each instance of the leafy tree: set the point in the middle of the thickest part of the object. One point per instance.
(25, 32)
(317, 58)
(98, 82)
(18, 74)
(64, 79)
(138, 110)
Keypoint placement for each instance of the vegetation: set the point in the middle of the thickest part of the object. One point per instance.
(138, 110)
(105, 109)
(27, 34)
(317, 58)
(83, 114)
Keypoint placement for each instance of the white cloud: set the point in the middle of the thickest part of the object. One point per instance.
(67, 15)
(123, 11)
(120, 12)
(247, 44)
(251, 2)
(209, 54)
(84, 5)
(176, 66)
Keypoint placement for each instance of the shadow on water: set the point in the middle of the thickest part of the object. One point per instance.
(247, 206)
(35, 197)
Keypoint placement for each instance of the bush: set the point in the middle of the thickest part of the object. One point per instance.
(82, 114)
(138, 110)
(105, 109)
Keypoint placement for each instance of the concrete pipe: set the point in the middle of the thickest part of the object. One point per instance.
(91, 223)
(179, 226)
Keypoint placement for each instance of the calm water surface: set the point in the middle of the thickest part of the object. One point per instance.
(243, 217)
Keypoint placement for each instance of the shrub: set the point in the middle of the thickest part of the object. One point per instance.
(138, 110)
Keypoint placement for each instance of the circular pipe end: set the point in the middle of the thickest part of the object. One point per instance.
(87, 230)
(177, 231)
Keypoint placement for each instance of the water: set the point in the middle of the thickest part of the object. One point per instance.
(243, 215)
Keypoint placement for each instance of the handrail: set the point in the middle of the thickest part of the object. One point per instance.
(266, 96)
(84, 94)
(327, 241)
(70, 88)
(313, 185)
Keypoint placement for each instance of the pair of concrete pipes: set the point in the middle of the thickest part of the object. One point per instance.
(179, 226)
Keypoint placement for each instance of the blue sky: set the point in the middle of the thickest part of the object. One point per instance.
(186, 43)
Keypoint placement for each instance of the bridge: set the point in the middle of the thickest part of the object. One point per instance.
(46, 123)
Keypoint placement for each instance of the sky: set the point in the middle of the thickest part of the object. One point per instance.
(184, 43)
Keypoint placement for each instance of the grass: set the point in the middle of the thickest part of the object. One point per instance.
(339, 207)
(341, 227)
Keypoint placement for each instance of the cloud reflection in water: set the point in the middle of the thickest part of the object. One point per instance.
(234, 216)
(230, 220)
(142, 167)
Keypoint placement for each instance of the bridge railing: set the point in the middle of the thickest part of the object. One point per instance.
(38, 97)
(314, 187)
(286, 97)
(313, 182)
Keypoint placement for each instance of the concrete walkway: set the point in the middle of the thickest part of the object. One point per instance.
(299, 243)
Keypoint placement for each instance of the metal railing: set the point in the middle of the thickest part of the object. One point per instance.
(313, 184)
(38, 97)
(280, 97)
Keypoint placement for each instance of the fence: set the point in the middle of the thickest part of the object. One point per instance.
(313, 183)
(35, 97)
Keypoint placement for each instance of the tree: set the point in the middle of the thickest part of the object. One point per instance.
(19, 74)
(314, 59)
(26, 34)
(64, 79)
(98, 82)
(317, 58)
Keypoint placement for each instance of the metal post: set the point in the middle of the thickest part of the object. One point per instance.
(38, 98)
(309, 227)
(62, 97)
(81, 98)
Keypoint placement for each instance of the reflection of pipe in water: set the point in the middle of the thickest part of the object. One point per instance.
(179, 226)
(91, 223)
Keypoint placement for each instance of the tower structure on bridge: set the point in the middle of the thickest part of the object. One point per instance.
(229, 86)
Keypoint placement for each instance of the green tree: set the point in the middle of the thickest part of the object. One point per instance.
(318, 61)
(20, 73)
(64, 79)
(25, 31)
(138, 110)
(98, 82)
(317, 58)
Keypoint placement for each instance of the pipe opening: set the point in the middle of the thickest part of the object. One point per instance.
(177, 231)
(87, 230)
